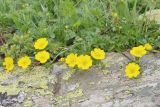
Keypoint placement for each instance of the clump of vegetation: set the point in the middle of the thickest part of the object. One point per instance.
(74, 26)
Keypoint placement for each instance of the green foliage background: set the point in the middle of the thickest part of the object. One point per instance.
(76, 25)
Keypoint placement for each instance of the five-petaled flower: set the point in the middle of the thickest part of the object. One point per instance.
(71, 60)
(8, 63)
(42, 56)
(148, 46)
(132, 70)
(138, 51)
(84, 62)
(62, 59)
(98, 54)
(41, 43)
(24, 62)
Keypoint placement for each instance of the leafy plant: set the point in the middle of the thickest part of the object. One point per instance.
(76, 25)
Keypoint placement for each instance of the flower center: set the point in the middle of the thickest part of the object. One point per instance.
(42, 57)
(41, 44)
(97, 54)
(84, 63)
(132, 70)
(24, 62)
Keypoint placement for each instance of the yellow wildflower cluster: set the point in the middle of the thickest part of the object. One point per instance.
(25, 61)
(42, 56)
(83, 62)
(141, 50)
(132, 70)
(138, 51)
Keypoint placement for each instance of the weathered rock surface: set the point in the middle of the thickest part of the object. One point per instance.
(152, 15)
(114, 89)
(101, 86)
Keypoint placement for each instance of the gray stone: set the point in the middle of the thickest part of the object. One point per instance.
(21, 97)
(98, 89)
(59, 69)
(153, 15)
(40, 101)
(1, 69)
(115, 89)
(9, 100)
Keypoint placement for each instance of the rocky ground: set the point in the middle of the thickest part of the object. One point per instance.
(101, 86)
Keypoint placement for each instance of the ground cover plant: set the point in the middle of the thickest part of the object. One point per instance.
(40, 32)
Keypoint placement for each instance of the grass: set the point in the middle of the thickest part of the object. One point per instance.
(76, 25)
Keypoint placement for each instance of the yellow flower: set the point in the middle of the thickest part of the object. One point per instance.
(148, 46)
(71, 60)
(8, 63)
(138, 51)
(66, 27)
(132, 70)
(98, 54)
(114, 14)
(84, 62)
(41, 43)
(62, 59)
(42, 56)
(24, 62)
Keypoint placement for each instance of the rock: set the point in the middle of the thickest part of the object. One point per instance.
(59, 69)
(27, 103)
(1, 69)
(119, 90)
(18, 88)
(21, 97)
(40, 101)
(91, 88)
(8, 100)
(152, 15)
(116, 61)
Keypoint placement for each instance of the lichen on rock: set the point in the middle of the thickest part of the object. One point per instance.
(31, 82)
(78, 92)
